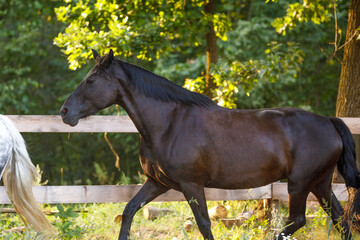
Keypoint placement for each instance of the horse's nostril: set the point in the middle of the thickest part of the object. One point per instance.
(63, 111)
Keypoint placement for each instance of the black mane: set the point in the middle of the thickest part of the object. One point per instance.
(160, 88)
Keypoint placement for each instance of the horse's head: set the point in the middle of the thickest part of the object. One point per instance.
(97, 91)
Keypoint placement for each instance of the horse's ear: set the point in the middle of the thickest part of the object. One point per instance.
(108, 59)
(95, 54)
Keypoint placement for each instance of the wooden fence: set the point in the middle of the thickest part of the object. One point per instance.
(123, 193)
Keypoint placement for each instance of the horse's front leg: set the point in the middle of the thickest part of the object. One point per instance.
(149, 191)
(194, 194)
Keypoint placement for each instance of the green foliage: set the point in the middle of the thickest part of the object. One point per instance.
(145, 29)
(278, 66)
(312, 87)
(102, 174)
(66, 225)
(30, 64)
(84, 158)
(18, 43)
(98, 223)
(247, 31)
(13, 221)
(317, 11)
(221, 24)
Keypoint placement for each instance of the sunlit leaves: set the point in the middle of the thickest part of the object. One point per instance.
(145, 29)
(317, 11)
(282, 63)
(159, 30)
(221, 23)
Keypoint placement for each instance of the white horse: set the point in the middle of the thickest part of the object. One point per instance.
(19, 175)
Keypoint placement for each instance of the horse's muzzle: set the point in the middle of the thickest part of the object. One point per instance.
(63, 111)
(68, 118)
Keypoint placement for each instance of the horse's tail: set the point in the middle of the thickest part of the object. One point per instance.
(348, 169)
(19, 177)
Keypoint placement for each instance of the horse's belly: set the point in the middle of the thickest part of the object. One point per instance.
(254, 174)
(242, 183)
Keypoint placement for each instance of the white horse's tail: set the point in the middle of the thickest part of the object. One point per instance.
(19, 177)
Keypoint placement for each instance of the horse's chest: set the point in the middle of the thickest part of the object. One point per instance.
(153, 165)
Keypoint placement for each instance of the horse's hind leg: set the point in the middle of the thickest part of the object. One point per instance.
(296, 219)
(331, 206)
(149, 191)
(195, 196)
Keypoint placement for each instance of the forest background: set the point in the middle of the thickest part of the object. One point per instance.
(242, 53)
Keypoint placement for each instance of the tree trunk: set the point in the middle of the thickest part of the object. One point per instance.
(348, 99)
(211, 49)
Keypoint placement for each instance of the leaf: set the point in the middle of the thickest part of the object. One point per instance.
(60, 208)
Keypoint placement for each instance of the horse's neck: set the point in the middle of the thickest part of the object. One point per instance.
(149, 116)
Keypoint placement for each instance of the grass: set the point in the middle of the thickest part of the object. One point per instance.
(96, 221)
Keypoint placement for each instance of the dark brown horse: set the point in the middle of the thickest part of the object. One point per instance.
(188, 143)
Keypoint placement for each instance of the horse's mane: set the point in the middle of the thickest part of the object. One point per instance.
(160, 88)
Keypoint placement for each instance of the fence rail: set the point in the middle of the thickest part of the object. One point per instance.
(119, 124)
(123, 193)
(54, 124)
